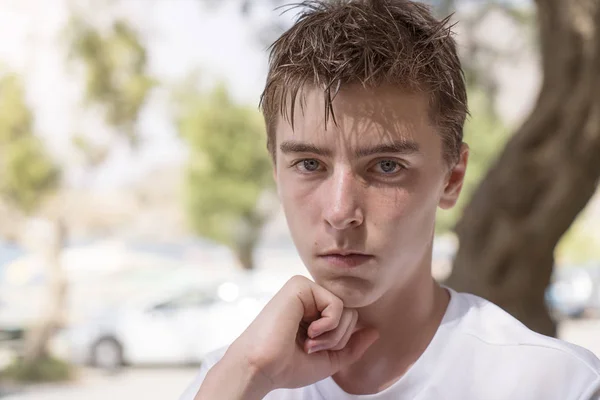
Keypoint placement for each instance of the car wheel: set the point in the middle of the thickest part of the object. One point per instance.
(107, 354)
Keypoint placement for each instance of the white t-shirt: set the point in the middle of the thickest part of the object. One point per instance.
(479, 352)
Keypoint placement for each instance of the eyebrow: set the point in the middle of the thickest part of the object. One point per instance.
(292, 146)
(403, 147)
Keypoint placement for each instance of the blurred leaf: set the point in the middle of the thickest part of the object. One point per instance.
(115, 66)
(27, 173)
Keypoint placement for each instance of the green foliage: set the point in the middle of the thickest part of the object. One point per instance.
(486, 137)
(229, 166)
(27, 173)
(48, 369)
(115, 71)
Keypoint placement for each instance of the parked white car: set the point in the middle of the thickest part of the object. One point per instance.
(178, 327)
(574, 291)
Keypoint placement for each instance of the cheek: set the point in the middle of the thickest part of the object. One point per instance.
(299, 195)
(296, 197)
(399, 202)
(390, 204)
(423, 194)
(406, 213)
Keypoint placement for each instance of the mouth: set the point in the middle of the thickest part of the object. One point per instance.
(345, 258)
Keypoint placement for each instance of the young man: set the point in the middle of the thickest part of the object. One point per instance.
(365, 104)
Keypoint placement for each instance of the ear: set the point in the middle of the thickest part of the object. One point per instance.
(455, 180)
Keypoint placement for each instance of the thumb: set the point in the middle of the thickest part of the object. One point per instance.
(355, 348)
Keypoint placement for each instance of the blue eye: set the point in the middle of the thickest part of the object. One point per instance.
(310, 165)
(307, 165)
(388, 166)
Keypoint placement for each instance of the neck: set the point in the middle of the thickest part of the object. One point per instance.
(407, 319)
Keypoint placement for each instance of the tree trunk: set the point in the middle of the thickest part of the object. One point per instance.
(38, 337)
(246, 238)
(245, 255)
(545, 176)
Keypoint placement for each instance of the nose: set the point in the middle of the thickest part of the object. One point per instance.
(342, 201)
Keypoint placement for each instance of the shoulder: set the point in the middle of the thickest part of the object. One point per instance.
(489, 323)
(489, 332)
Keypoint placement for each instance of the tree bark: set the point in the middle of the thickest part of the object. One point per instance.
(245, 255)
(38, 337)
(545, 176)
(247, 236)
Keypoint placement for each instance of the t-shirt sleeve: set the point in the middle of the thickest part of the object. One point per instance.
(209, 361)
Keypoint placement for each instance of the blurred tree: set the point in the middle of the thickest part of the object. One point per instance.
(114, 66)
(27, 177)
(545, 175)
(229, 171)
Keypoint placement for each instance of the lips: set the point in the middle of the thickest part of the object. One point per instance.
(346, 259)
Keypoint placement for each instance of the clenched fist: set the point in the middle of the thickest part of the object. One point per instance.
(303, 335)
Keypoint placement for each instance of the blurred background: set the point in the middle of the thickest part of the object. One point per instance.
(139, 224)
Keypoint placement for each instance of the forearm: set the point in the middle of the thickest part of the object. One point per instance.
(231, 379)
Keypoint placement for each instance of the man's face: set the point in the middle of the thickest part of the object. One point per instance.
(360, 198)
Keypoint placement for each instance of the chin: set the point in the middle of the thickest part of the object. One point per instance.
(354, 292)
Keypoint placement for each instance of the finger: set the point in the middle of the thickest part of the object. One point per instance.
(330, 339)
(328, 307)
(315, 304)
(354, 350)
(351, 329)
(329, 320)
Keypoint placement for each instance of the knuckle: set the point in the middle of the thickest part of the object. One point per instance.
(297, 279)
(337, 303)
(295, 283)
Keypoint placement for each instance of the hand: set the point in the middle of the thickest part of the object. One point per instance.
(303, 335)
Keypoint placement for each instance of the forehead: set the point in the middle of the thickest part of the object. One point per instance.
(362, 117)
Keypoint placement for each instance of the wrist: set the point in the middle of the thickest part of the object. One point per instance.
(234, 378)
